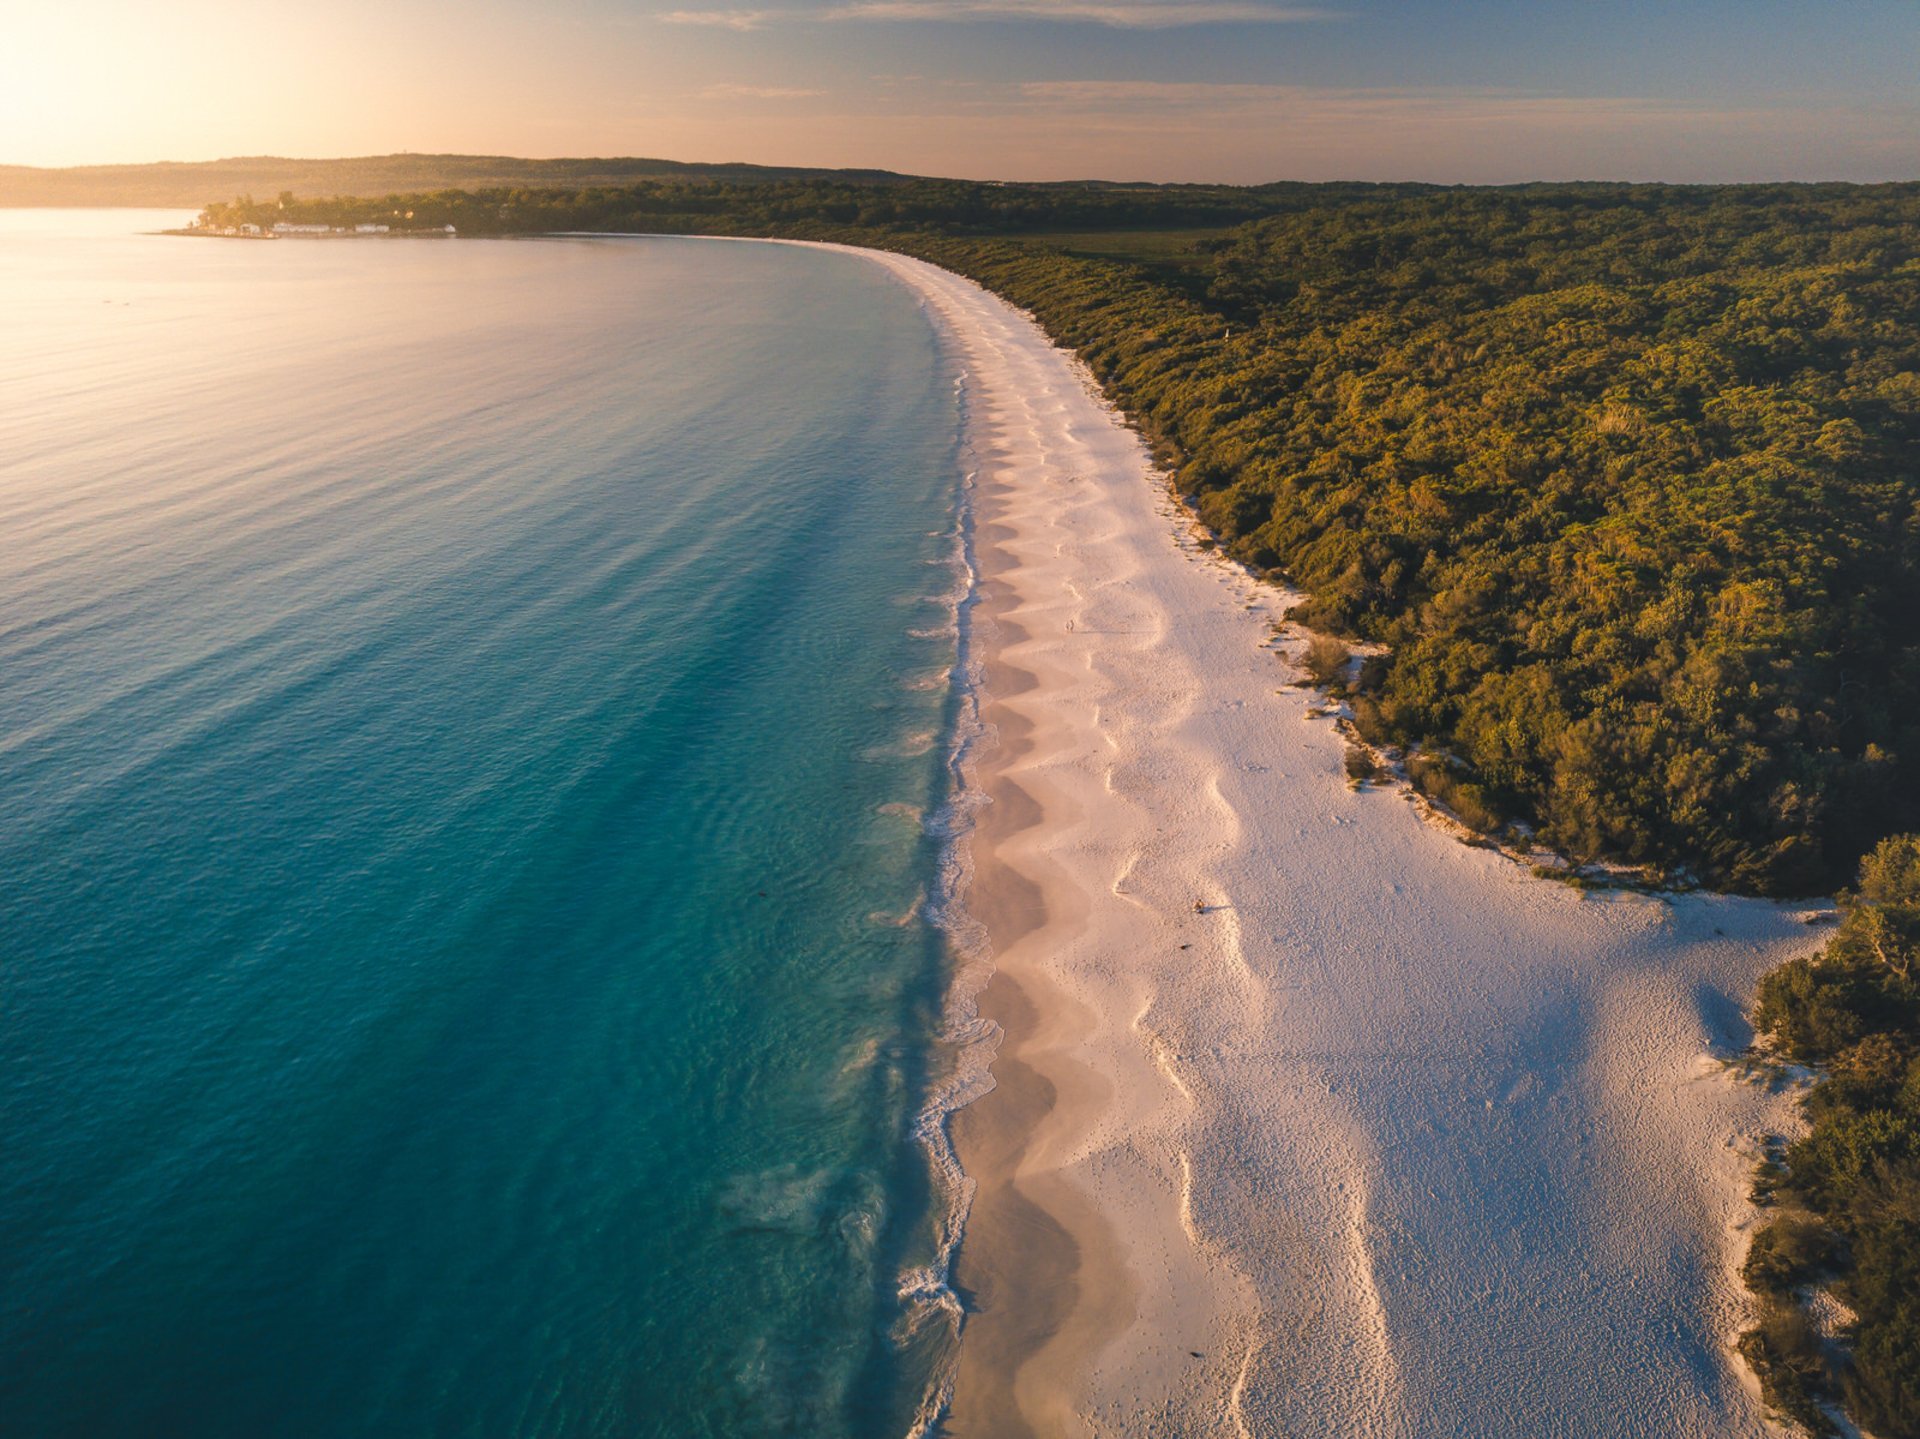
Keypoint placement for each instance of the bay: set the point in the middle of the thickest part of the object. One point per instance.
(466, 710)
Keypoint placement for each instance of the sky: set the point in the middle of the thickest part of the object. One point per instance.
(1206, 90)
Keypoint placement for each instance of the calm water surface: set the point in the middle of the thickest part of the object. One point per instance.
(465, 709)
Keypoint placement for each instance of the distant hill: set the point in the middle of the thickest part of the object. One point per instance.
(193, 184)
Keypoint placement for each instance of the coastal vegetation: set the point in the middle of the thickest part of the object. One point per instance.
(1623, 481)
(1155, 218)
(1845, 1197)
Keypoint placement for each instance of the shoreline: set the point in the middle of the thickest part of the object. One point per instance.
(1043, 1276)
(1394, 1138)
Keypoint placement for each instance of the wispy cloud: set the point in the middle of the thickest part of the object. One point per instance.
(758, 92)
(1163, 92)
(719, 19)
(1122, 14)
(1117, 14)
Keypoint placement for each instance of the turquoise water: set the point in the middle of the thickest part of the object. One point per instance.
(466, 710)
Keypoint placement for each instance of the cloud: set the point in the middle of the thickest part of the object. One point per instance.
(1117, 14)
(1121, 14)
(1162, 92)
(719, 19)
(758, 92)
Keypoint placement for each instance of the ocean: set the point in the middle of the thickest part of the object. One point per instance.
(477, 737)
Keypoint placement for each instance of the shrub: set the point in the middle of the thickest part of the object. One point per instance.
(1368, 721)
(1785, 1354)
(1794, 1250)
(1360, 766)
(1815, 1008)
(1440, 781)
(1325, 660)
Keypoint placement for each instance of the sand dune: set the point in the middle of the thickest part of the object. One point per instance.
(1393, 1139)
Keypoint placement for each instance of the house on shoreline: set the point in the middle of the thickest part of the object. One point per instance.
(287, 229)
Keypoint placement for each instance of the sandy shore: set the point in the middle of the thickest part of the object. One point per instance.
(1393, 1139)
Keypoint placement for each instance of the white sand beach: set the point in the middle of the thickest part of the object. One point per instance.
(1394, 1138)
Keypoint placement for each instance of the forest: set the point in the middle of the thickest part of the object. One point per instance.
(878, 206)
(1845, 1198)
(1623, 478)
